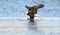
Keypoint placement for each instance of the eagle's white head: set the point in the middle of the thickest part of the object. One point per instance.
(26, 12)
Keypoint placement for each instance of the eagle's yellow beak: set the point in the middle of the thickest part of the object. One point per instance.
(26, 12)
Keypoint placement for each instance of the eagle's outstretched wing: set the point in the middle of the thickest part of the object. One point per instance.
(34, 8)
(27, 7)
(38, 6)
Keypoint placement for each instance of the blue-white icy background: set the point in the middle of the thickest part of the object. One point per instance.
(16, 8)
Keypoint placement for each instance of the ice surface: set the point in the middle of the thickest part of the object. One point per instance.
(26, 27)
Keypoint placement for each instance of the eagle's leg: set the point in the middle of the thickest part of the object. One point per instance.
(31, 18)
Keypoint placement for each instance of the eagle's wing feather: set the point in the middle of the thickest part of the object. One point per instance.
(38, 6)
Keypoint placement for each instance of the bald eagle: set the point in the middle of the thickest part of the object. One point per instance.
(32, 11)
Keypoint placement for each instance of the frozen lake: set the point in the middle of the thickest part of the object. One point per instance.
(16, 8)
(26, 27)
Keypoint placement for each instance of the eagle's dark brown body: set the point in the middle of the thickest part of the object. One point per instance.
(33, 10)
